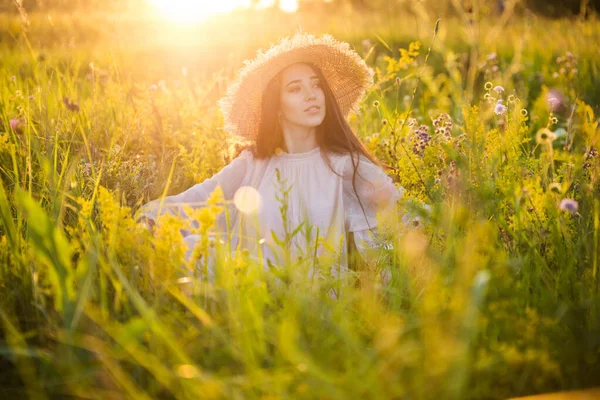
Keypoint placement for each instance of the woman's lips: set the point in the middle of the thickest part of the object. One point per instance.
(313, 109)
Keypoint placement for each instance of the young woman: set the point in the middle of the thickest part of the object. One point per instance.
(291, 102)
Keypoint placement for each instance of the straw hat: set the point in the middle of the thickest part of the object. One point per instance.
(346, 72)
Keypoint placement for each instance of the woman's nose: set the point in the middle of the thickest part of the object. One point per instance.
(311, 95)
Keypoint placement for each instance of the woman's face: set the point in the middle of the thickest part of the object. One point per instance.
(301, 96)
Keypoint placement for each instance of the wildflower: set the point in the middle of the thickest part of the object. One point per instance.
(589, 158)
(443, 121)
(16, 124)
(569, 205)
(384, 122)
(421, 139)
(376, 103)
(153, 87)
(13, 78)
(553, 103)
(544, 136)
(488, 85)
(498, 89)
(492, 56)
(31, 97)
(71, 106)
(500, 108)
(555, 187)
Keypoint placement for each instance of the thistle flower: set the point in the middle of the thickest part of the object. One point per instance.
(553, 103)
(16, 124)
(568, 205)
(443, 125)
(421, 140)
(500, 108)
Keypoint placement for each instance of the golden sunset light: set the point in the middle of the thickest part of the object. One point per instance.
(199, 10)
(373, 199)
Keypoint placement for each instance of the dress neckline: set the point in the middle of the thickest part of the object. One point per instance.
(300, 156)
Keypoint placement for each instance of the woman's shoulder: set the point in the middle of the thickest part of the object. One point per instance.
(346, 162)
(339, 160)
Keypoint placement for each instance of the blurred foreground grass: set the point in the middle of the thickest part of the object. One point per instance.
(496, 295)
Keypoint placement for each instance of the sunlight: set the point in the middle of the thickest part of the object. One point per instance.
(199, 10)
(196, 10)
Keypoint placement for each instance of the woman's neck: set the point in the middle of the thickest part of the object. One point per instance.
(300, 139)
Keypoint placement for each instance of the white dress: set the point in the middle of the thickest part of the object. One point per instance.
(324, 202)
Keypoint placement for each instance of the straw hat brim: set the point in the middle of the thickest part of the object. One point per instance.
(345, 71)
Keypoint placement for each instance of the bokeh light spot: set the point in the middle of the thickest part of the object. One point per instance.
(247, 200)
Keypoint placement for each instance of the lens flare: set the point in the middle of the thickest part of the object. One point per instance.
(247, 200)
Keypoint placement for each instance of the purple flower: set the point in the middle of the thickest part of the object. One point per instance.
(500, 108)
(498, 89)
(16, 124)
(555, 99)
(569, 205)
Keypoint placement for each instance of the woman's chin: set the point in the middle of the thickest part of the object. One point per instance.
(314, 121)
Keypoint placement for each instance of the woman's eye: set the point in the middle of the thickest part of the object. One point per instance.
(296, 89)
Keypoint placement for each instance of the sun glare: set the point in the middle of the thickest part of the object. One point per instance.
(199, 10)
(196, 10)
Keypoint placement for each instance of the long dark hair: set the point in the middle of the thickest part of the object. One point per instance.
(334, 135)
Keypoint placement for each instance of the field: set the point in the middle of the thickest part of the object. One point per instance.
(489, 123)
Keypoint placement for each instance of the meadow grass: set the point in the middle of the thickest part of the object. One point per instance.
(494, 294)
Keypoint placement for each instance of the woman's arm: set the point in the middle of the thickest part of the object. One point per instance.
(229, 179)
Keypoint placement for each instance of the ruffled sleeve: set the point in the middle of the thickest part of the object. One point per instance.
(230, 178)
(377, 193)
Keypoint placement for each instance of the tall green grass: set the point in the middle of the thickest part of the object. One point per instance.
(495, 294)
